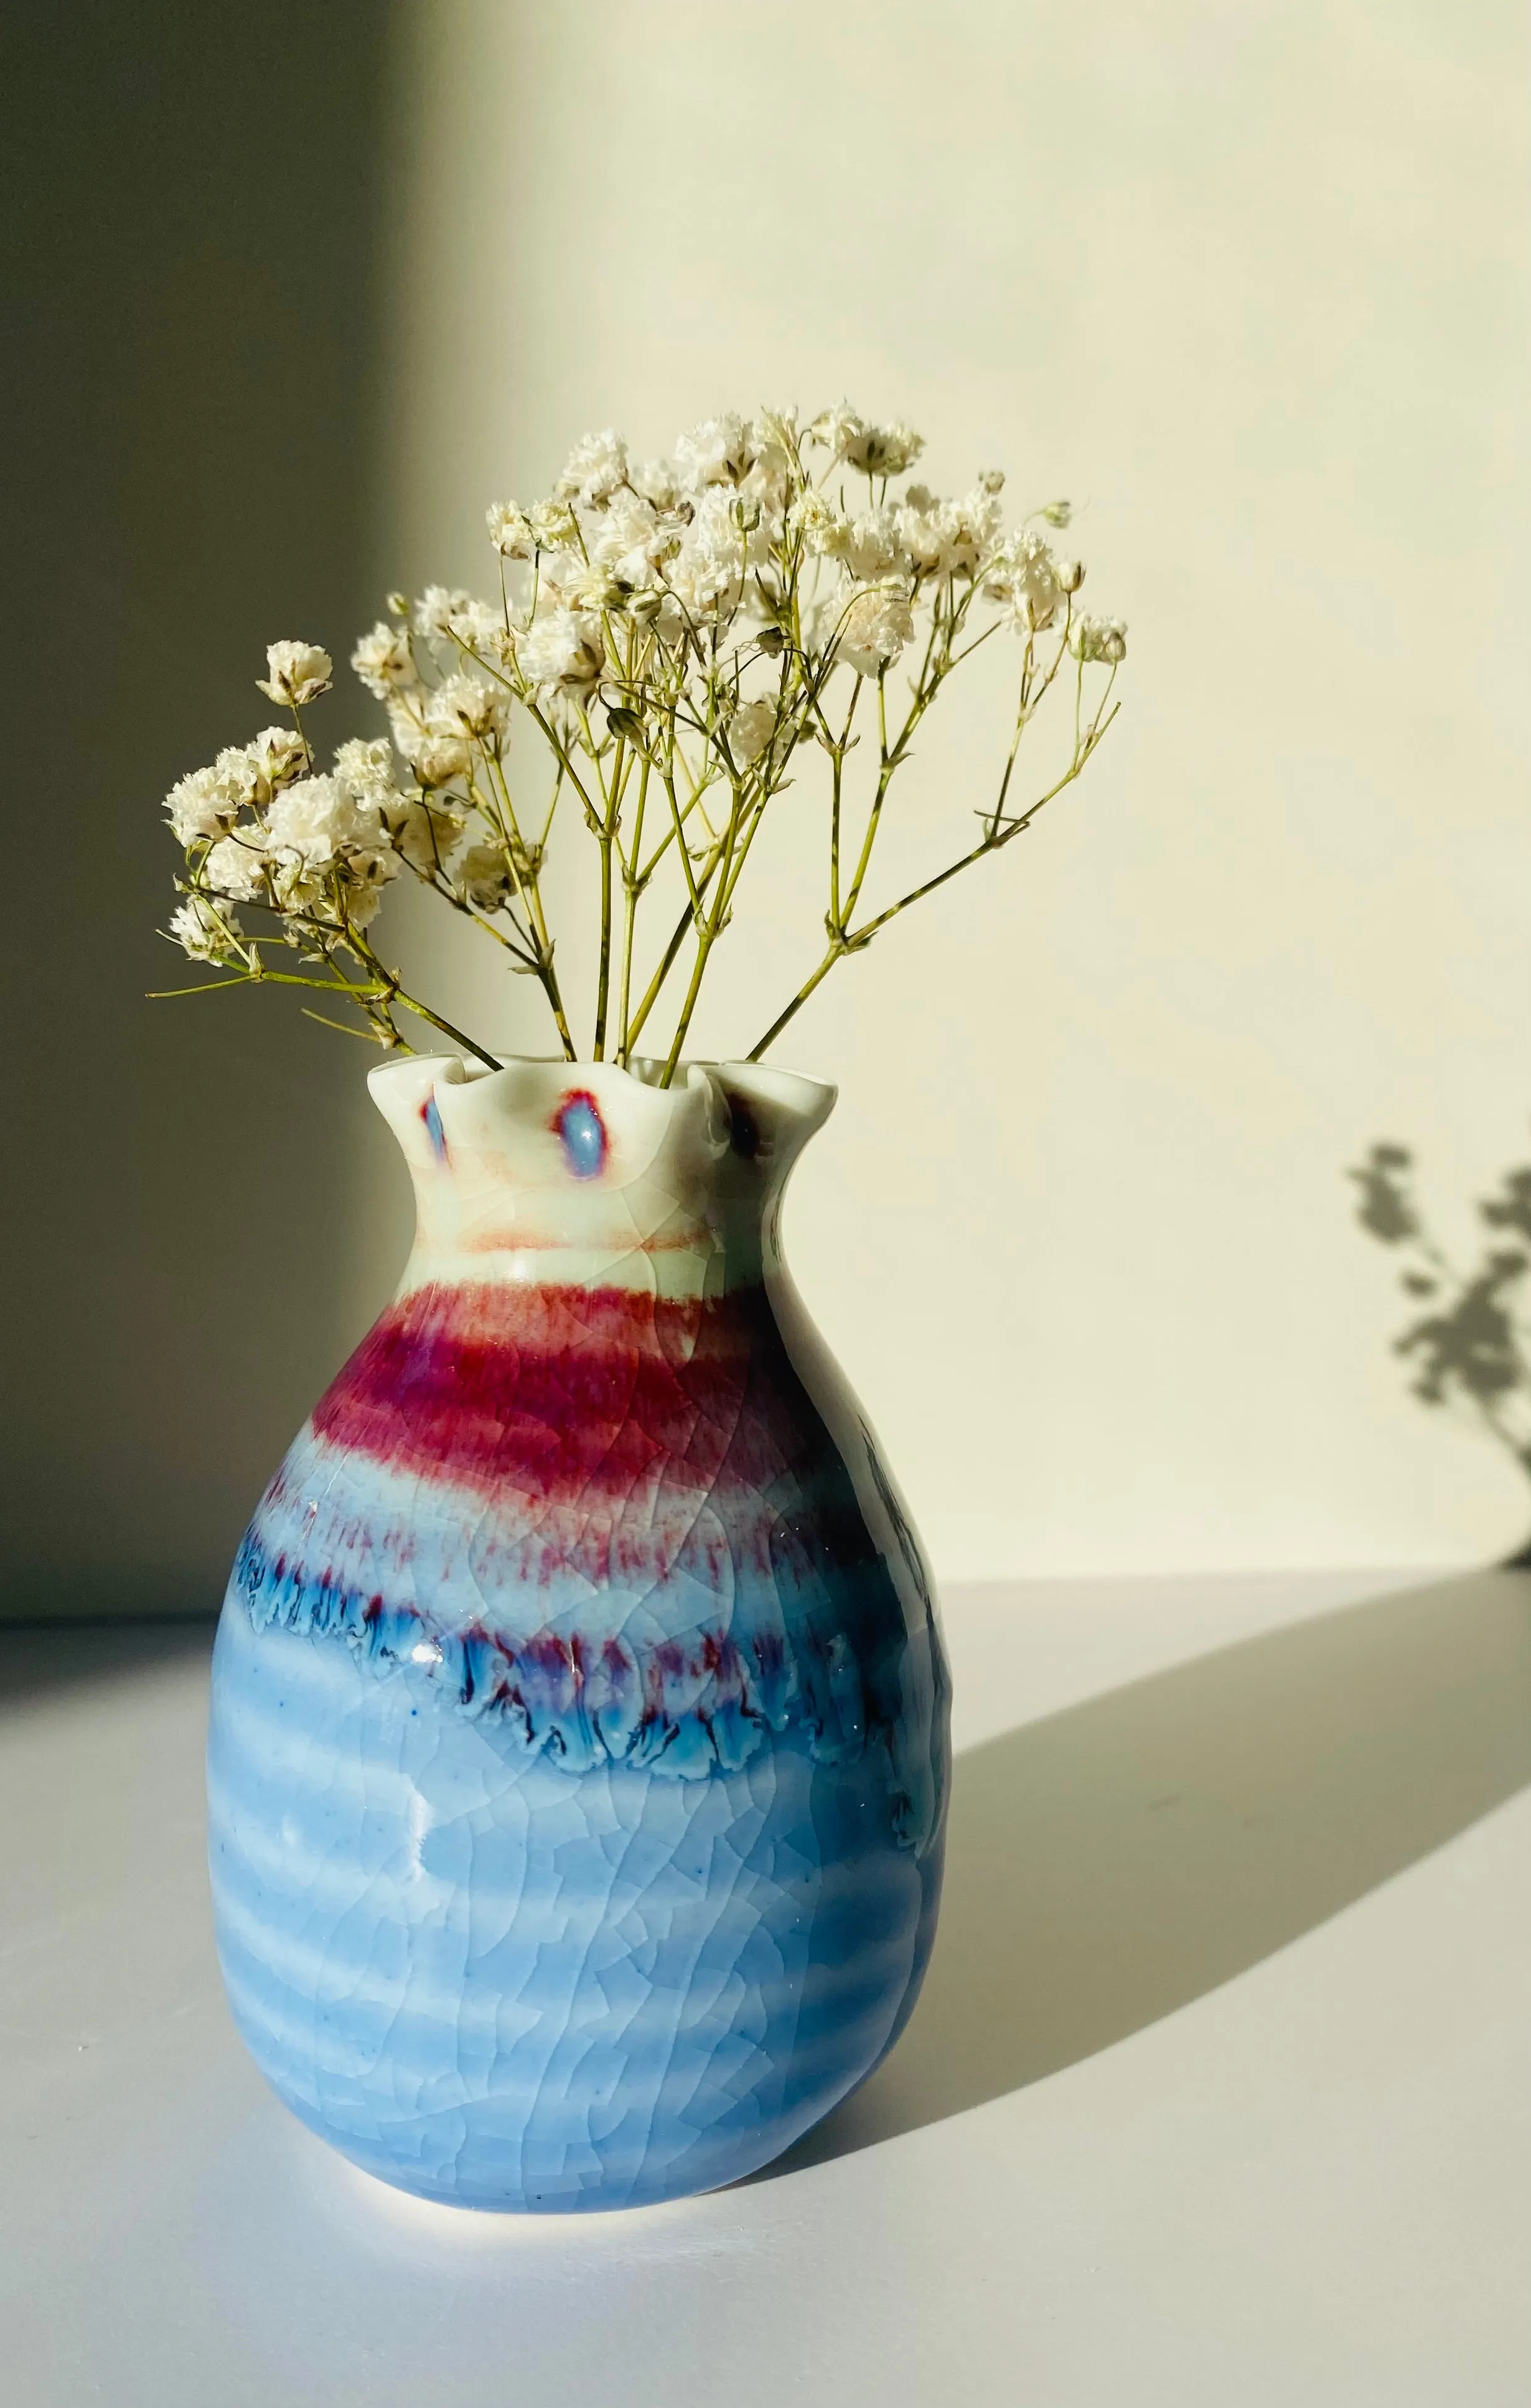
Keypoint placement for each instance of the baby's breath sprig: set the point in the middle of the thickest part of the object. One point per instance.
(673, 638)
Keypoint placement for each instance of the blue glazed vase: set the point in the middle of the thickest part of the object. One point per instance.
(579, 1754)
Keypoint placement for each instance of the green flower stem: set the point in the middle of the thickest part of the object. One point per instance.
(796, 1006)
(633, 884)
(677, 938)
(611, 843)
(996, 836)
(705, 938)
(837, 781)
(529, 890)
(393, 992)
(383, 989)
(423, 1011)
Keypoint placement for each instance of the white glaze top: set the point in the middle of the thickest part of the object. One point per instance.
(587, 1174)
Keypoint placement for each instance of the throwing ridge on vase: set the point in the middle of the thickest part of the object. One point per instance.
(579, 1754)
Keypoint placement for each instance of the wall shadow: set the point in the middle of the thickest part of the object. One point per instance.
(201, 202)
(37, 1658)
(1113, 1862)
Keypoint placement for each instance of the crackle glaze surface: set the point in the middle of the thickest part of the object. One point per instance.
(579, 1753)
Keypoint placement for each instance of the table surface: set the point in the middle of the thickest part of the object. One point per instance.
(1218, 2095)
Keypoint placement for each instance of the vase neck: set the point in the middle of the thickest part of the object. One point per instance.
(563, 1174)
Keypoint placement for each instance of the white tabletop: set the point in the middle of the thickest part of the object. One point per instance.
(1218, 2094)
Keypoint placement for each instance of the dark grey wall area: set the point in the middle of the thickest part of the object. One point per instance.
(198, 214)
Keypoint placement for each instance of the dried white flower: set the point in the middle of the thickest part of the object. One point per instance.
(347, 891)
(571, 582)
(871, 450)
(875, 627)
(834, 428)
(929, 533)
(279, 754)
(241, 773)
(594, 469)
(554, 526)
(948, 538)
(979, 518)
(423, 834)
(318, 819)
(873, 546)
(510, 530)
(658, 483)
(825, 530)
(1057, 514)
(366, 765)
(750, 731)
(436, 760)
(630, 539)
(383, 660)
(708, 567)
(209, 931)
(467, 706)
(1098, 639)
(991, 480)
(1024, 574)
(236, 866)
(771, 480)
(718, 451)
(563, 649)
(883, 450)
(436, 610)
(296, 673)
(477, 625)
(369, 870)
(483, 877)
(201, 804)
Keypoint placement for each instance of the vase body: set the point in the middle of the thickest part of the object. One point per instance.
(579, 1749)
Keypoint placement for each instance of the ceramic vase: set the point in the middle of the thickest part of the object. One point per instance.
(579, 1753)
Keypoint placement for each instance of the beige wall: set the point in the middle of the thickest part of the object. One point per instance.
(1248, 281)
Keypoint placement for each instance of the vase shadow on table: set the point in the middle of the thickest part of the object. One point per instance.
(1113, 1862)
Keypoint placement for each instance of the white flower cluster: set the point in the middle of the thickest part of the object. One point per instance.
(295, 673)
(1099, 639)
(671, 625)
(699, 549)
(264, 827)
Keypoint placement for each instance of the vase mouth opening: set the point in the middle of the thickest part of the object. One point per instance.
(644, 1069)
(602, 1148)
(792, 1094)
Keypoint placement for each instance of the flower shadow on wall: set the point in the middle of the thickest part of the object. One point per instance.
(1109, 1864)
(1470, 1348)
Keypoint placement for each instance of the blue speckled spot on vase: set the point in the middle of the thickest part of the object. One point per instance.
(582, 1132)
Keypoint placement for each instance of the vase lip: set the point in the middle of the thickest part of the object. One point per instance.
(596, 1163)
(794, 1096)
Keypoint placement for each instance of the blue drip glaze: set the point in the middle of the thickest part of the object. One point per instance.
(618, 1701)
(582, 1132)
(434, 1129)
